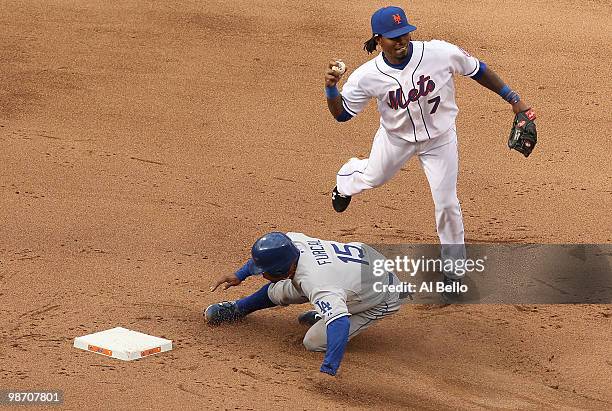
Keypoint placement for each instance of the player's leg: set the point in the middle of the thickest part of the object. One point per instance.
(387, 156)
(440, 160)
(316, 337)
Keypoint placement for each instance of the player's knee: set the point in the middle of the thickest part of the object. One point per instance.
(447, 205)
(448, 210)
(313, 344)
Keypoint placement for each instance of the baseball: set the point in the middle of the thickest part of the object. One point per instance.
(340, 67)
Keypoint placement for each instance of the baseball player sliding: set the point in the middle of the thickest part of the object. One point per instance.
(412, 82)
(338, 279)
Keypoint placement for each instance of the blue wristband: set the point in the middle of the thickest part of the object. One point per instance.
(509, 95)
(331, 92)
(504, 91)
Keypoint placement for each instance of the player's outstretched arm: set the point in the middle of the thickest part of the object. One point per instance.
(523, 135)
(228, 280)
(232, 280)
(493, 82)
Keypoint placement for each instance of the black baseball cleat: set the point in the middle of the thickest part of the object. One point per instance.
(339, 201)
(309, 318)
(455, 285)
(223, 312)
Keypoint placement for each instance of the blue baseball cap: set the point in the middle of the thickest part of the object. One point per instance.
(390, 22)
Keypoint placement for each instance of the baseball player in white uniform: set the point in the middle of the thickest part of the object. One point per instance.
(412, 82)
(337, 279)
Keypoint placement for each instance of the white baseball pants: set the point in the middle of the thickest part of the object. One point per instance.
(440, 161)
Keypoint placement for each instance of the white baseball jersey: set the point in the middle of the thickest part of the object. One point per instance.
(336, 278)
(415, 103)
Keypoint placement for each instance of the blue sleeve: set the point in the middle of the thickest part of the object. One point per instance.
(245, 270)
(337, 337)
(344, 116)
(481, 70)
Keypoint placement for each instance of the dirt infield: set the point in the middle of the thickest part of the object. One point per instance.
(144, 145)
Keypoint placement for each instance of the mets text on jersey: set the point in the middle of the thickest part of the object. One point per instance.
(396, 97)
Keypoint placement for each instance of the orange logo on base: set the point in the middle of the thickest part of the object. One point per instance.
(100, 350)
(151, 351)
(397, 18)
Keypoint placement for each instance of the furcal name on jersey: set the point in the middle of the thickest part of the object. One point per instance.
(318, 251)
(396, 97)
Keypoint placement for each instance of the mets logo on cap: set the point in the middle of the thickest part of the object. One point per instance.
(390, 22)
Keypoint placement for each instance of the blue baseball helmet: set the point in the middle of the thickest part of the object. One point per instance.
(274, 253)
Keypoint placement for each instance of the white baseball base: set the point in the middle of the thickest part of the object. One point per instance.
(123, 344)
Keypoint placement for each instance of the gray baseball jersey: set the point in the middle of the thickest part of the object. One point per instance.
(337, 278)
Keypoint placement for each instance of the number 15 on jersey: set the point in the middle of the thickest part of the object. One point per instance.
(349, 254)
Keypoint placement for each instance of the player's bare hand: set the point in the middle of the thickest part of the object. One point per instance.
(332, 77)
(519, 106)
(228, 280)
